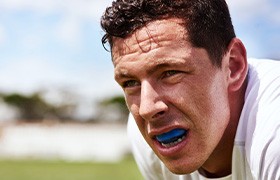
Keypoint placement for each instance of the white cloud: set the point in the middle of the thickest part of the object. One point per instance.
(275, 15)
(249, 6)
(252, 9)
(73, 14)
(3, 35)
(40, 6)
(69, 31)
(31, 74)
(31, 41)
(92, 9)
(256, 23)
(25, 74)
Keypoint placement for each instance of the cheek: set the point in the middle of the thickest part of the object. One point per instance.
(134, 110)
(141, 123)
(131, 103)
(204, 101)
(215, 108)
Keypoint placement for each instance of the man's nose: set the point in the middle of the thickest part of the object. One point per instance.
(152, 105)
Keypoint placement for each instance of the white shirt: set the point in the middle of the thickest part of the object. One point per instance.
(256, 152)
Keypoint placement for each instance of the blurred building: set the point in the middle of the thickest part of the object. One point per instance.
(70, 142)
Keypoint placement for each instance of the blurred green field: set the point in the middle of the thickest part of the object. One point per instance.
(60, 170)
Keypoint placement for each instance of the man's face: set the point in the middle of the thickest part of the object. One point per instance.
(177, 97)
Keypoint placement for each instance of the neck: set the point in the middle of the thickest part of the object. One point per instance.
(219, 163)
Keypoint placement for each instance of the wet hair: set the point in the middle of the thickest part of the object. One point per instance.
(207, 22)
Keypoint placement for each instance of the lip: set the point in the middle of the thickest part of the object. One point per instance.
(170, 151)
(157, 131)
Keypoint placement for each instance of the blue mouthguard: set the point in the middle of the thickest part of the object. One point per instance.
(171, 135)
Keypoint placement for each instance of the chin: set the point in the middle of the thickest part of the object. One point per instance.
(181, 168)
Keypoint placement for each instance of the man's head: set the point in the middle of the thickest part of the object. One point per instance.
(182, 76)
(207, 22)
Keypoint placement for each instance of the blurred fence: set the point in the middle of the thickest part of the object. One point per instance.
(73, 142)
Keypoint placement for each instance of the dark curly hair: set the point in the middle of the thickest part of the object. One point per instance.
(208, 22)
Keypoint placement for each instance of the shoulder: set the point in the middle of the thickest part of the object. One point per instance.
(261, 116)
(263, 67)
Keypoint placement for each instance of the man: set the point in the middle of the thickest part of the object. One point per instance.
(199, 110)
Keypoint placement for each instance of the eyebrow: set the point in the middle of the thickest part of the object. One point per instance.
(166, 63)
(160, 65)
(122, 74)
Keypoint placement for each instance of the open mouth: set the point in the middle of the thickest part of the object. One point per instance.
(172, 137)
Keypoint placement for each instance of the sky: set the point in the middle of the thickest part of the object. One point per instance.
(55, 44)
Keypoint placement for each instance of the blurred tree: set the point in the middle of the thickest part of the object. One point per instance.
(35, 108)
(31, 108)
(64, 100)
(113, 109)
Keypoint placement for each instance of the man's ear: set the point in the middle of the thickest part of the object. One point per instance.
(237, 64)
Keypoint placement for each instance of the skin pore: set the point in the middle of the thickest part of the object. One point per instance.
(169, 84)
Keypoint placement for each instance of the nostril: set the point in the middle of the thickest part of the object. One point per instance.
(158, 114)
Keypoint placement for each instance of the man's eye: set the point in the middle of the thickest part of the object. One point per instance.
(170, 73)
(130, 83)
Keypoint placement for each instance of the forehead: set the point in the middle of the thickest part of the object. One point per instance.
(155, 34)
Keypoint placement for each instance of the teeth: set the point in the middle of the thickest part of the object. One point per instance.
(173, 143)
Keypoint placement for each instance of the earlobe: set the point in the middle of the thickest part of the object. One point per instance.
(237, 64)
